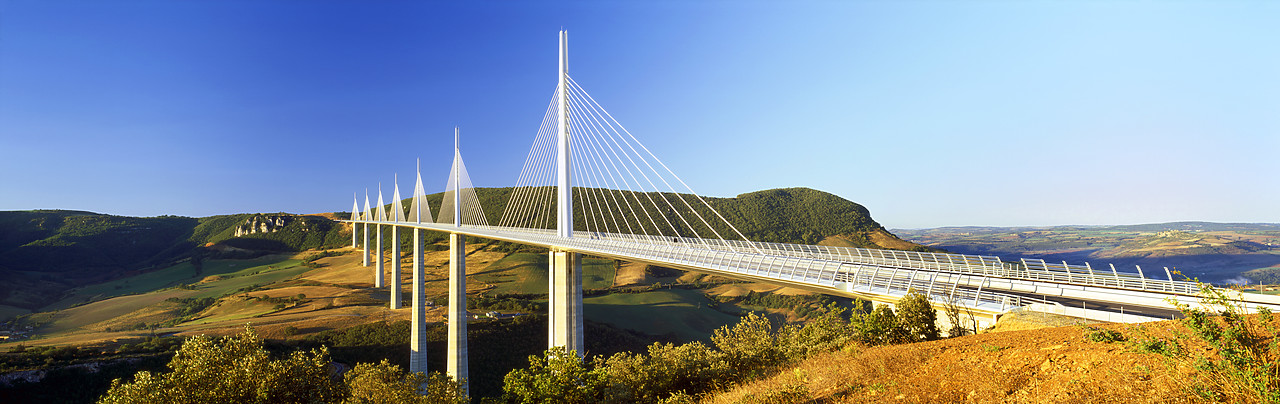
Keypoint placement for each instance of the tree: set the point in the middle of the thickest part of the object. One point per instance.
(749, 346)
(385, 383)
(638, 378)
(556, 376)
(878, 327)
(917, 318)
(829, 330)
(232, 369)
(237, 369)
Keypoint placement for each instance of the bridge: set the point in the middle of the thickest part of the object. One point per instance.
(588, 186)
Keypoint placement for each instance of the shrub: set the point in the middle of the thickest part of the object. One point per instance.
(1102, 335)
(749, 346)
(918, 320)
(556, 376)
(1246, 364)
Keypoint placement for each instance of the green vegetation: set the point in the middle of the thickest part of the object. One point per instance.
(750, 349)
(687, 315)
(1235, 356)
(803, 305)
(238, 369)
(1104, 335)
(45, 253)
(526, 273)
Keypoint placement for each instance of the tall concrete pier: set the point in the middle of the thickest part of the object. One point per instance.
(565, 301)
(456, 363)
(395, 268)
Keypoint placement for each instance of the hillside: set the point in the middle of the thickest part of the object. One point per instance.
(1047, 365)
(1218, 252)
(45, 253)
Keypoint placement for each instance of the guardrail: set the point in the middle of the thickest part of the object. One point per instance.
(747, 260)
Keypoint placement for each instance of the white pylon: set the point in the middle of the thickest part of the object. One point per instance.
(365, 217)
(564, 180)
(379, 268)
(355, 215)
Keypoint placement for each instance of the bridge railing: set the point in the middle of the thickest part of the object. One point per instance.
(939, 286)
(977, 265)
(739, 257)
(1030, 269)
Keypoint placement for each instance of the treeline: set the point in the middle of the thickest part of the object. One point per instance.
(753, 348)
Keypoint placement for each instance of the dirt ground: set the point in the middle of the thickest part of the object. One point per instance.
(1047, 365)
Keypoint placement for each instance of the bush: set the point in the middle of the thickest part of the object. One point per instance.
(749, 346)
(918, 320)
(557, 376)
(238, 369)
(878, 327)
(1245, 365)
(1102, 335)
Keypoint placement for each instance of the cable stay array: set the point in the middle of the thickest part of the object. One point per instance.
(460, 182)
(621, 189)
(381, 214)
(419, 209)
(368, 211)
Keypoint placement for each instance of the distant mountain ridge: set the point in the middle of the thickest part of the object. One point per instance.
(1220, 252)
(45, 252)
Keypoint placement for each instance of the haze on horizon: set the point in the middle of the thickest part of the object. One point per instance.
(928, 113)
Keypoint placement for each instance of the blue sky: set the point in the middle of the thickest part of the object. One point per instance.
(928, 113)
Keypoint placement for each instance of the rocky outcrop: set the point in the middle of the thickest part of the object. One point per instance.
(262, 224)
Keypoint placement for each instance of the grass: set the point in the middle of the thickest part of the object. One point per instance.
(526, 273)
(245, 274)
(162, 278)
(683, 313)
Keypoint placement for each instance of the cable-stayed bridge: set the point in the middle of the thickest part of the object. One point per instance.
(588, 186)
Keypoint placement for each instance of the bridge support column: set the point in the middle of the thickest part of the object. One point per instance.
(366, 244)
(418, 314)
(564, 293)
(395, 268)
(379, 269)
(456, 364)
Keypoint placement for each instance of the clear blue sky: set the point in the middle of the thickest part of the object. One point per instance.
(928, 113)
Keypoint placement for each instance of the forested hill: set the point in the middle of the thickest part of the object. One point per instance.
(801, 215)
(46, 252)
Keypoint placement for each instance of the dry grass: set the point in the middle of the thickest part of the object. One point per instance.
(1052, 365)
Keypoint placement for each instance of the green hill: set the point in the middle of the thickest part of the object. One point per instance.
(44, 253)
(785, 215)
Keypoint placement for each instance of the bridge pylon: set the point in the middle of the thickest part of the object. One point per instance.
(456, 364)
(564, 288)
(366, 216)
(379, 265)
(418, 310)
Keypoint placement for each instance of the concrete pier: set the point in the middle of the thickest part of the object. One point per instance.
(395, 268)
(418, 313)
(379, 269)
(565, 301)
(366, 244)
(456, 363)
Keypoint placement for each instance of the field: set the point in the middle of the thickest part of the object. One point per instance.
(526, 273)
(686, 314)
